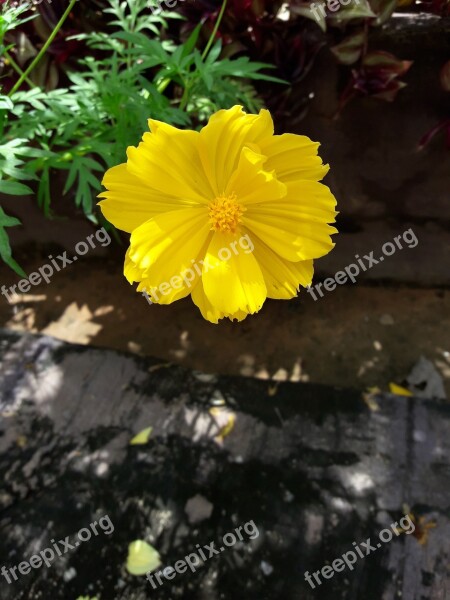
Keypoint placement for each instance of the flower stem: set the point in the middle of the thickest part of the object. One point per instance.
(17, 69)
(43, 49)
(214, 31)
(185, 98)
(188, 83)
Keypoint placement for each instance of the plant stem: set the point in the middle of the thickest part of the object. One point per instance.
(17, 69)
(43, 49)
(185, 98)
(214, 31)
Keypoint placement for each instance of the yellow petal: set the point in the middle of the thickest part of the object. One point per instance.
(223, 138)
(131, 271)
(233, 284)
(167, 294)
(129, 201)
(239, 315)
(296, 227)
(208, 311)
(285, 237)
(251, 183)
(293, 157)
(168, 160)
(142, 558)
(142, 437)
(168, 250)
(282, 277)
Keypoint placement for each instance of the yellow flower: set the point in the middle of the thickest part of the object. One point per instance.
(190, 198)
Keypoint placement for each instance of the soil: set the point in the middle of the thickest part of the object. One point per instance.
(356, 336)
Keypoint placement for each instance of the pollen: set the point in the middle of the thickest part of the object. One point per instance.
(225, 213)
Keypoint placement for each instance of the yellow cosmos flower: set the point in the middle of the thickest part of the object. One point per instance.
(190, 198)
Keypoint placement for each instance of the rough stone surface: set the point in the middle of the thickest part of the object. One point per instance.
(315, 468)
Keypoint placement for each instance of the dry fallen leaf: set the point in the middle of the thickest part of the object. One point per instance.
(74, 325)
(142, 437)
(225, 419)
(398, 390)
(142, 558)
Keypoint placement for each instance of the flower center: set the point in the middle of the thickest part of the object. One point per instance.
(225, 213)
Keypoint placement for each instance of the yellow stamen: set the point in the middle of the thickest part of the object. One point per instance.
(225, 213)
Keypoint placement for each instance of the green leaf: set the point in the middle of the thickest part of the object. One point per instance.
(386, 61)
(44, 198)
(207, 78)
(5, 248)
(14, 188)
(350, 49)
(14, 172)
(316, 15)
(71, 176)
(93, 164)
(214, 53)
(384, 10)
(242, 67)
(5, 102)
(191, 42)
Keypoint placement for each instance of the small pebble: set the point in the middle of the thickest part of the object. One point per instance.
(198, 508)
(69, 574)
(386, 319)
(266, 568)
(419, 436)
(204, 377)
(288, 496)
